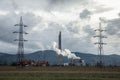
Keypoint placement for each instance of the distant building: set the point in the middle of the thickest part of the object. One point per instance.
(66, 64)
(26, 63)
(77, 62)
(42, 63)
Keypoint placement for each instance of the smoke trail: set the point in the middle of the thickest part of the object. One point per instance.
(65, 52)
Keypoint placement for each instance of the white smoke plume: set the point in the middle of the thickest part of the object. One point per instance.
(65, 52)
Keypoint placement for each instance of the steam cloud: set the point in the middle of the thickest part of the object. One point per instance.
(65, 52)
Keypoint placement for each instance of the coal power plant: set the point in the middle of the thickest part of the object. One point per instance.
(57, 56)
(59, 39)
(22, 61)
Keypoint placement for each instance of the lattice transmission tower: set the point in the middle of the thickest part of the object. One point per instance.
(100, 42)
(21, 40)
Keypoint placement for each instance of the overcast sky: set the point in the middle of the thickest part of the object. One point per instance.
(77, 19)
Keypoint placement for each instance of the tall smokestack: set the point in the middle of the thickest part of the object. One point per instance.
(59, 41)
(60, 48)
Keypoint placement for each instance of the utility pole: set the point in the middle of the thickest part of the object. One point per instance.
(100, 42)
(20, 53)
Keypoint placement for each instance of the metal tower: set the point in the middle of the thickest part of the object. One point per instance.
(60, 48)
(100, 42)
(20, 53)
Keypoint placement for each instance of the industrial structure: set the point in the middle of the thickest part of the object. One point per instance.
(100, 42)
(60, 48)
(41, 62)
(21, 32)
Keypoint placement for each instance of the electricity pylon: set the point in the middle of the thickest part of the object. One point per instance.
(20, 53)
(100, 42)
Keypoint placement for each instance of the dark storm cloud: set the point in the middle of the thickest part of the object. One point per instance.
(26, 5)
(113, 27)
(8, 21)
(83, 44)
(85, 14)
(73, 27)
(6, 28)
(87, 29)
(63, 4)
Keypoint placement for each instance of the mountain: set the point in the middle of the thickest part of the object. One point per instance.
(6, 58)
(52, 57)
(107, 59)
(47, 55)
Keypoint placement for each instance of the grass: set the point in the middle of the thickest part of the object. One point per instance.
(59, 73)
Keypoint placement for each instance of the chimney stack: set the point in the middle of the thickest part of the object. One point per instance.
(60, 48)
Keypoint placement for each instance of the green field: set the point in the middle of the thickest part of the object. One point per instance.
(59, 73)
